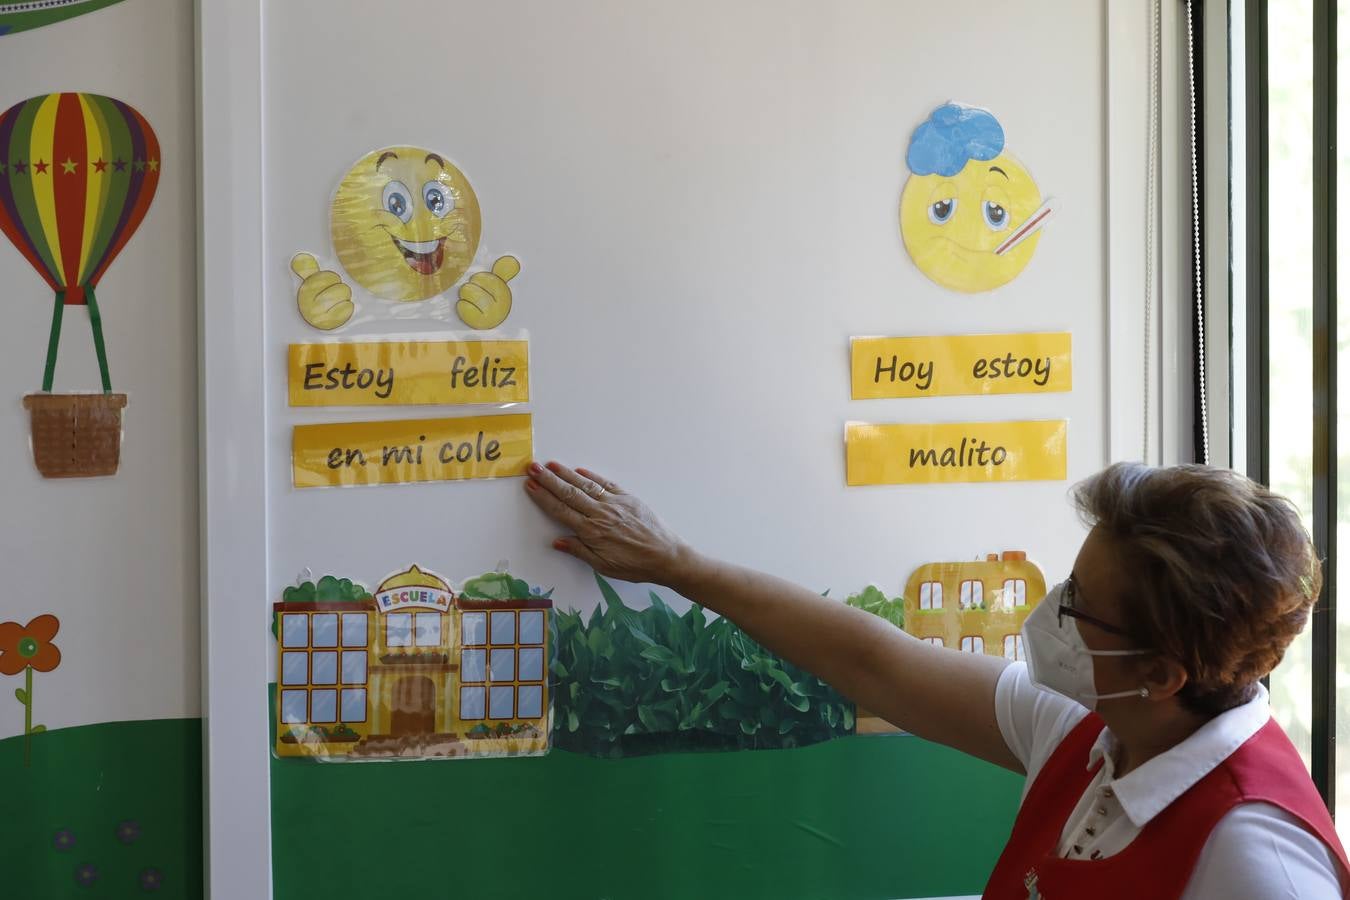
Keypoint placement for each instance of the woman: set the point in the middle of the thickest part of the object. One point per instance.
(1153, 766)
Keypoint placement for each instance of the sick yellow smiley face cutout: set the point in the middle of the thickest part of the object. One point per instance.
(405, 223)
(970, 214)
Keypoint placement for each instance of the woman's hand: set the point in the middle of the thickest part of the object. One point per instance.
(613, 532)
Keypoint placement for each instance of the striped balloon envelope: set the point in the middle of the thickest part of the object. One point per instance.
(77, 174)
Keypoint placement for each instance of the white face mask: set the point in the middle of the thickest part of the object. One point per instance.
(1057, 658)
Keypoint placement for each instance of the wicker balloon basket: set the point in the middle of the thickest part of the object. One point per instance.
(76, 435)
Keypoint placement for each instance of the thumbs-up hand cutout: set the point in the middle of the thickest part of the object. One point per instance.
(324, 300)
(485, 299)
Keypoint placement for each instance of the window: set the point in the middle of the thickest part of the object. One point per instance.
(1012, 647)
(353, 704)
(501, 665)
(354, 629)
(325, 626)
(294, 630)
(294, 706)
(930, 595)
(473, 629)
(428, 629)
(1278, 261)
(1290, 257)
(323, 667)
(530, 701)
(353, 667)
(531, 664)
(471, 702)
(972, 594)
(501, 703)
(504, 627)
(473, 665)
(973, 644)
(323, 706)
(1014, 593)
(322, 684)
(294, 667)
(398, 630)
(532, 626)
(936, 642)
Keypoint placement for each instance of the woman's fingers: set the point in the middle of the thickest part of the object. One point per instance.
(571, 495)
(610, 486)
(587, 486)
(573, 546)
(553, 507)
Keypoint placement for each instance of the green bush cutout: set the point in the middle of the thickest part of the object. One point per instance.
(878, 604)
(632, 682)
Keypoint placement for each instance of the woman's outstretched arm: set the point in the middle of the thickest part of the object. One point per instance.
(940, 694)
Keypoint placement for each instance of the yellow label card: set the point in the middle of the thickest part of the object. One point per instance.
(1030, 363)
(393, 373)
(963, 451)
(397, 452)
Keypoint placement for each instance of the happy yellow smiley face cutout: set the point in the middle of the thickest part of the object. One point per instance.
(405, 223)
(970, 214)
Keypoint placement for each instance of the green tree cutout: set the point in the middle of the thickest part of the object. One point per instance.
(28, 649)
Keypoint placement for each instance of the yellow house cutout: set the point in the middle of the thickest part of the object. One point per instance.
(975, 607)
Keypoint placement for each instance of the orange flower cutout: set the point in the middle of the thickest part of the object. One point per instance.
(22, 646)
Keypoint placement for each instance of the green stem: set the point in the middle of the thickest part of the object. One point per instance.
(28, 717)
(53, 341)
(96, 322)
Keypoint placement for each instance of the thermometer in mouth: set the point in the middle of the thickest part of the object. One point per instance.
(1026, 229)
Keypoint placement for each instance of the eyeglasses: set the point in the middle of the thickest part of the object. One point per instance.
(1067, 609)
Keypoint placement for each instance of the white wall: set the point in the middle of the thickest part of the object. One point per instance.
(114, 558)
(704, 197)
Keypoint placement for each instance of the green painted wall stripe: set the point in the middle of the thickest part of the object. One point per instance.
(858, 817)
(84, 783)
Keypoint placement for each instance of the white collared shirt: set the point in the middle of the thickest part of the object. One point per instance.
(1256, 852)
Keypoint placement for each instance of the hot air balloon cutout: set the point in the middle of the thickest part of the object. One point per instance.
(77, 174)
(21, 15)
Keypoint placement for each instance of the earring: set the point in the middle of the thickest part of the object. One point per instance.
(1143, 692)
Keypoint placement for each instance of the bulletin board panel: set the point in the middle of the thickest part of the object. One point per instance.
(704, 200)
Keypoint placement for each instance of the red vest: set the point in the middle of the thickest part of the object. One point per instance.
(1265, 769)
